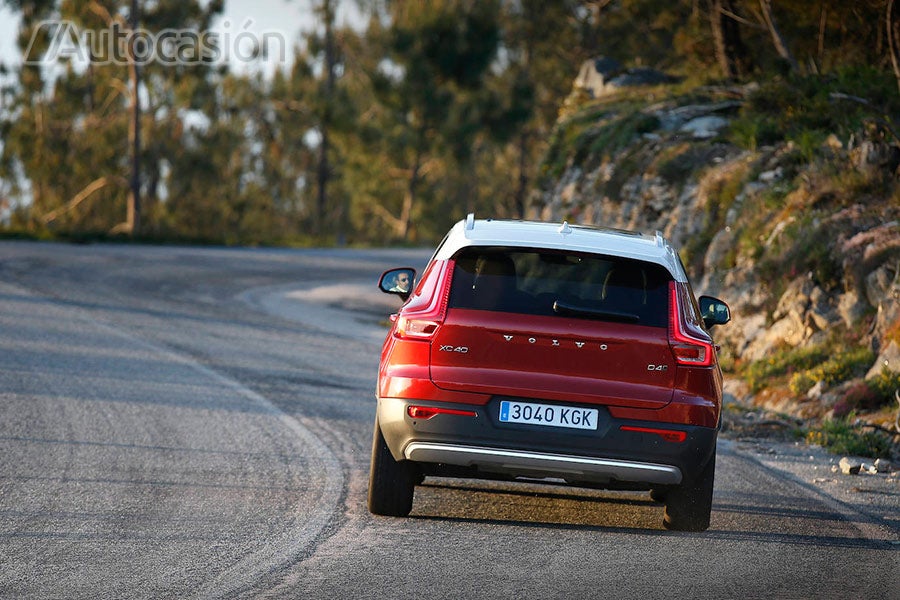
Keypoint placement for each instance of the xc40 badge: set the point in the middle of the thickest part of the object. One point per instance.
(451, 348)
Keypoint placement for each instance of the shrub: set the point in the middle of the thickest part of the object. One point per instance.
(859, 396)
(884, 385)
(844, 366)
(783, 362)
(805, 247)
(843, 437)
(751, 132)
(620, 132)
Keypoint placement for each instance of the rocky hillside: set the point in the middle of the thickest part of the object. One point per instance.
(785, 201)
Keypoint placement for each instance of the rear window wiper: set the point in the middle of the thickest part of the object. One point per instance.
(569, 310)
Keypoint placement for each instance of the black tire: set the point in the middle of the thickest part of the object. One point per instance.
(391, 483)
(688, 507)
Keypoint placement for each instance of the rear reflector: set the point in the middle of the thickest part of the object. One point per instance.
(667, 434)
(416, 328)
(686, 354)
(426, 412)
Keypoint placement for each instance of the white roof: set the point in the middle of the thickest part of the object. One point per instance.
(561, 236)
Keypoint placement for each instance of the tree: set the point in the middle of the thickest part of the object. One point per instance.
(731, 54)
(891, 30)
(538, 38)
(430, 66)
(797, 35)
(74, 129)
(766, 16)
(327, 97)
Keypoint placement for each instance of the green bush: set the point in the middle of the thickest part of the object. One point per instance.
(804, 246)
(751, 132)
(808, 143)
(844, 366)
(804, 109)
(619, 133)
(783, 362)
(843, 437)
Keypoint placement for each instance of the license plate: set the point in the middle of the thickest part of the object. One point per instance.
(548, 415)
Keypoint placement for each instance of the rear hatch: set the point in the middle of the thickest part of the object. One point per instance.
(553, 325)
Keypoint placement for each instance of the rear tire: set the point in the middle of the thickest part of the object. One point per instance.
(391, 483)
(688, 507)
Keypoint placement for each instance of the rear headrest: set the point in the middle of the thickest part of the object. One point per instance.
(495, 264)
(620, 278)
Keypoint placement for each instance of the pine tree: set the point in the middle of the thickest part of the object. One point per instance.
(73, 125)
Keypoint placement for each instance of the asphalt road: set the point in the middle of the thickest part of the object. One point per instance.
(183, 422)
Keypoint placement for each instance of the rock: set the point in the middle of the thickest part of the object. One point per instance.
(883, 466)
(568, 193)
(596, 73)
(744, 333)
(641, 76)
(794, 301)
(833, 142)
(718, 249)
(883, 292)
(772, 176)
(789, 330)
(821, 320)
(889, 359)
(851, 308)
(850, 466)
(883, 285)
(818, 296)
(816, 391)
(705, 127)
(873, 156)
(672, 118)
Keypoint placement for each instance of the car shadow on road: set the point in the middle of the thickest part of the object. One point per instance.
(630, 513)
(535, 505)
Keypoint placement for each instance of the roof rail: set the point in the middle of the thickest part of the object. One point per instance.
(470, 221)
(660, 240)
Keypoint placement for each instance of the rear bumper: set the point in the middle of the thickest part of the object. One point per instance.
(481, 445)
(539, 464)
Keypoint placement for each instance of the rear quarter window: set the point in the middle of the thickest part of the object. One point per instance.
(561, 284)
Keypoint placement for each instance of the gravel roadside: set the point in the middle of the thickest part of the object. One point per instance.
(874, 495)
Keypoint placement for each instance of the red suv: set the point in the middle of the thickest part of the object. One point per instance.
(550, 352)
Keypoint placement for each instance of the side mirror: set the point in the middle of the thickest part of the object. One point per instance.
(398, 281)
(714, 311)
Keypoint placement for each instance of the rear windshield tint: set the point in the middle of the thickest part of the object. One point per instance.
(564, 284)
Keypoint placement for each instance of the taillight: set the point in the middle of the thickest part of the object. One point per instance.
(670, 435)
(426, 412)
(422, 316)
(690, 344)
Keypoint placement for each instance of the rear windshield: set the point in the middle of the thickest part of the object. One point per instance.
(558, 283)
